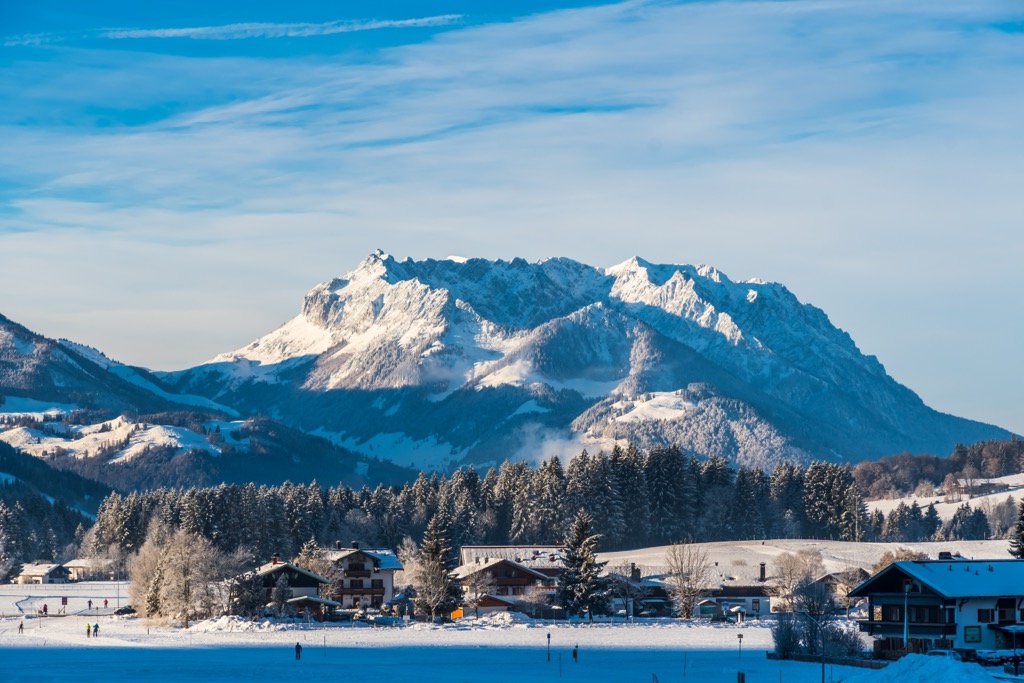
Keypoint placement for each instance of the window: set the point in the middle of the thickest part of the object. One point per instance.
(357, 567)
(950, 615)
(972, 634)
(986, 616)
(356, 583)
(755, 605)
(376, 583)
(892, 613)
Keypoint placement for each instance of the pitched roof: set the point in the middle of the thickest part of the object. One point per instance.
(382, 558)
(958, 578)
(271, 567)
(38, 569)
(466, 570)
(312, 598)
(536, 556)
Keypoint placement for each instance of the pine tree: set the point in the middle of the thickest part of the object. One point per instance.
(581, 587)
(1017, 536)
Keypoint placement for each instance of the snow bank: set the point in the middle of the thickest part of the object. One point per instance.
(924, 669)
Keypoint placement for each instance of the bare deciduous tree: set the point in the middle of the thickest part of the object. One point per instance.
(689, 577)
(625, 582)
(791, 571)
(477, 586)
(901, 553)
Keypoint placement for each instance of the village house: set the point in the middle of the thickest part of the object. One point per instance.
(88, 569)
(544, 559)
(511, 582)
(366, 576)
(303, 586)
(43, 573)
(951, 602)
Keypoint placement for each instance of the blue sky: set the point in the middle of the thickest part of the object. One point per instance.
(176, 175)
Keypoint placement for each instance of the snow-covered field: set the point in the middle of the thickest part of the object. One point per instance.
(1014, 485)
(738, 562)
(497, 650)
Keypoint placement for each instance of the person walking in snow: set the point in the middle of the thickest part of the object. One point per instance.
(21, 627)
(576, 654)
(104, 603)
(95, 630)
(298, 651)
(90, 604)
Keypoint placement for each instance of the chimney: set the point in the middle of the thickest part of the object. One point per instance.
(762, 577)
(634, 572)
(275, 559)
(355, 545)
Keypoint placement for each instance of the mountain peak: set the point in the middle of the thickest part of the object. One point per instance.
(475, 360)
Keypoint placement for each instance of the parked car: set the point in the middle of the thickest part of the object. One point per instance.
(127, 609)
(951, 654)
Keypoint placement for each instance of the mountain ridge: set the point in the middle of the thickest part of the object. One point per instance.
(399, 343)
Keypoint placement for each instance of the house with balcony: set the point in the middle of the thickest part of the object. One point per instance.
(953, 602)
(545, 559)
(364, 578)
(303, 588)
(510, 578)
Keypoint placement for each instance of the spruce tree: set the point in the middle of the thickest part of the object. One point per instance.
(437, 589)
(581, 587)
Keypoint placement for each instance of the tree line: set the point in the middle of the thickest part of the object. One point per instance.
(634, 498)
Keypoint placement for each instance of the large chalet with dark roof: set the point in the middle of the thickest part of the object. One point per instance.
(945, 603)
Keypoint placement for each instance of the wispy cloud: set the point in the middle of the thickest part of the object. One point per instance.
(865, 153)
(271, 30)
(241, 31)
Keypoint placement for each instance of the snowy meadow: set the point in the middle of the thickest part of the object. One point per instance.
(499, 649)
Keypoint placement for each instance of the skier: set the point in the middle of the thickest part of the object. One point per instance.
(21, 627)
(104, 603)
(88, 629)
(95, 630)
(90, 604)
(298, 651)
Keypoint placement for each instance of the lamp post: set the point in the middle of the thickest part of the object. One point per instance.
(739, 638)
(549, 647)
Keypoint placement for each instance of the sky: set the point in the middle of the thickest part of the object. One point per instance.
(175, 176)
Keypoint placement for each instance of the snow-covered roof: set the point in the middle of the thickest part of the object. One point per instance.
(38, 569)
(312, 598)
(271, 567)
(535, 556)
(383, 558)
(959, 578)
(465, 570)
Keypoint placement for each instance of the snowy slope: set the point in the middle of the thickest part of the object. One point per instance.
(443, 355)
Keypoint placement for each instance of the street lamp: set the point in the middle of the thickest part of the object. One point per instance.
(739, 637)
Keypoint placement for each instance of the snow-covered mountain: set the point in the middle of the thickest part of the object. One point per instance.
(77, 409)
(438, 362)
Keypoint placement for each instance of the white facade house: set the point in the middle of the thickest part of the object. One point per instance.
(367, 576)
(43, 573)
(948, 603)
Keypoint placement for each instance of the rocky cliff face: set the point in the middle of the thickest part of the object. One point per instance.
(438, 362)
